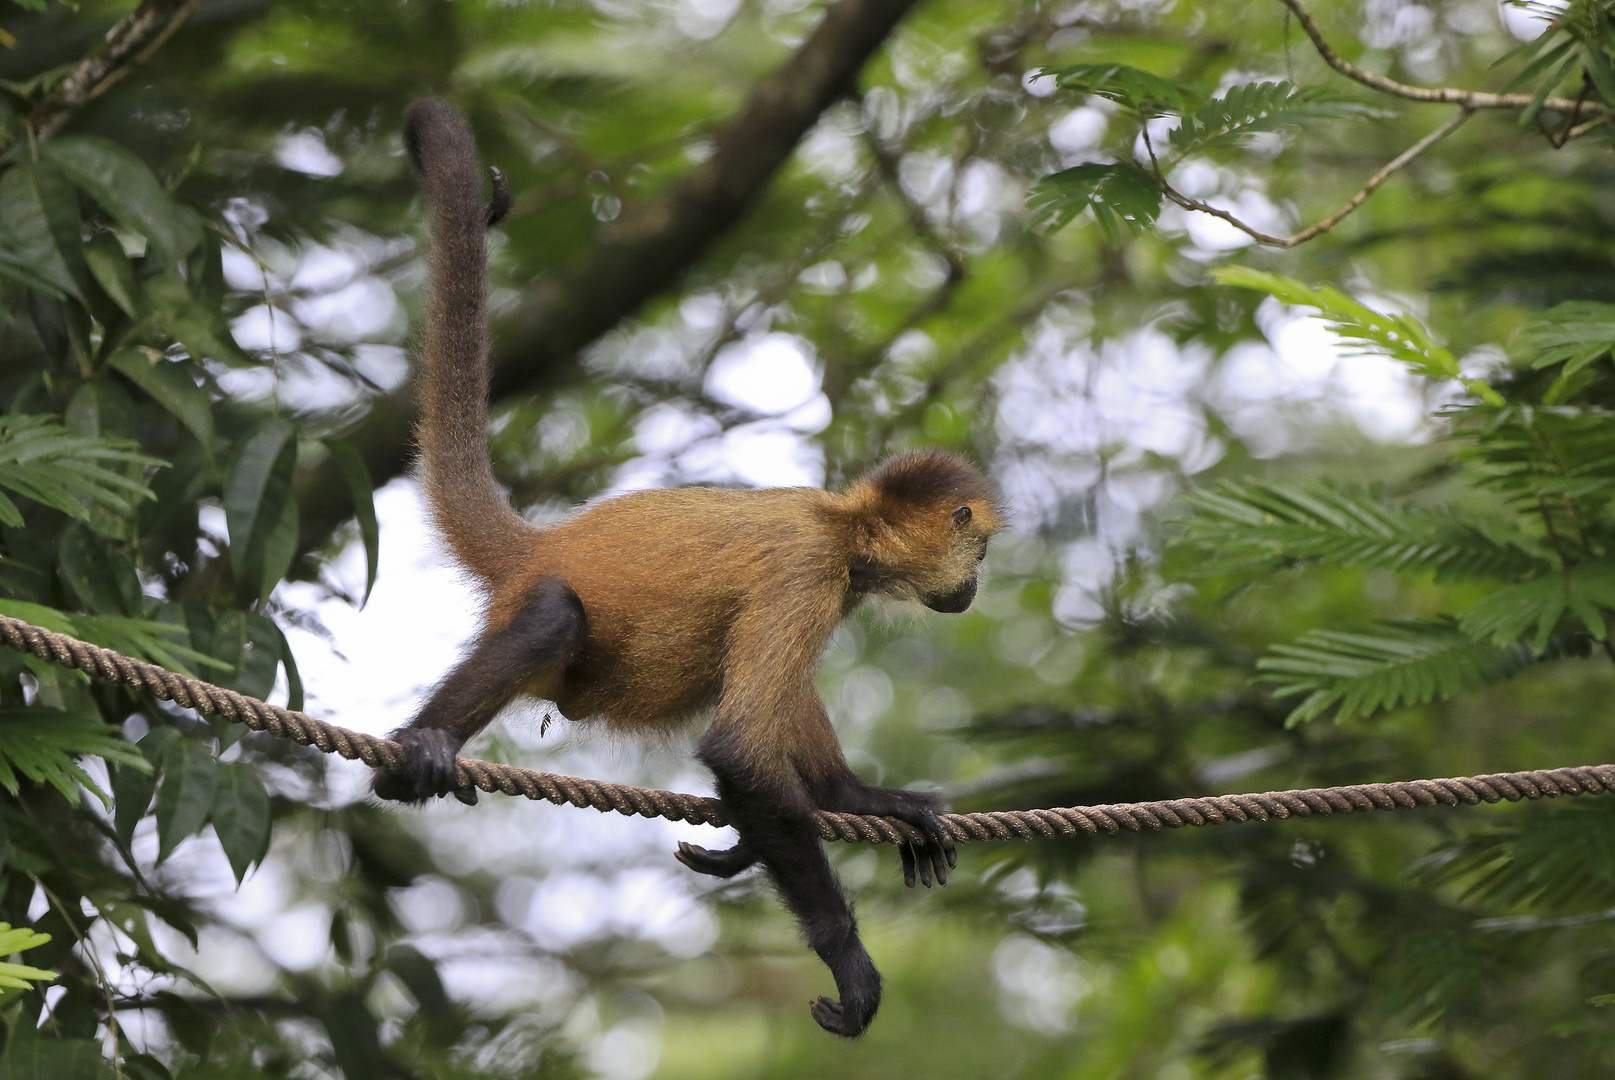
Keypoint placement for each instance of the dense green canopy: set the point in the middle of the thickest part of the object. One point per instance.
(1286, 331)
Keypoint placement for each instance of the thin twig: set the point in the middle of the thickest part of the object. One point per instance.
(1392, 167)
(1449, 95)
(130, 42)
(100, 974)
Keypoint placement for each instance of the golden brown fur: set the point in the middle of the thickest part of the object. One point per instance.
(658, 607)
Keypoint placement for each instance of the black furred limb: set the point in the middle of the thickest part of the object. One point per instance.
(846, 794)
(545, 634)
(776, 826)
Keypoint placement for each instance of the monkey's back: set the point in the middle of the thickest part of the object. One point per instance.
(663, 575)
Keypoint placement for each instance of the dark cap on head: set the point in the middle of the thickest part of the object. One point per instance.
(928, 477)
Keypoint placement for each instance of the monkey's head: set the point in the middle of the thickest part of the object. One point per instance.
(922, 521)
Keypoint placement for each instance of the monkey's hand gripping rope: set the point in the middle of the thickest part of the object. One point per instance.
(996, 825)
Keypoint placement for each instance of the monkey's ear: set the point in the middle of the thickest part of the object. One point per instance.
(961, 517)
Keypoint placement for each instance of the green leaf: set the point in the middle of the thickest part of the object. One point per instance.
(40, 745)
(1533, 608)
(257, 488)
(1563, 860)
(250, 643)
(169, 384)
(27, 235)
(43, 461)
(16, 940)
(1397, 336)
(111, 270)
(1574, 334)
(132, 790)
(241, 816)
(103, 577)
(355, 1042)
(294, 678)
(1141, 91)
(186, 796)
(38, 1057)
(1123, 197)
(352, 469)
(1392, 664)
(1252, 108)
(126, 189)
(1255, 526)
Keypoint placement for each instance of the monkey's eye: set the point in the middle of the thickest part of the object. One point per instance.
(961, 517)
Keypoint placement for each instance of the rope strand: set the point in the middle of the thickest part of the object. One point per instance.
(490, 776)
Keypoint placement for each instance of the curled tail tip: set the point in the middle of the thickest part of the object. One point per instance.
(435, 132)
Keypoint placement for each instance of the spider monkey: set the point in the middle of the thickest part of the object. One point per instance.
(655, 608)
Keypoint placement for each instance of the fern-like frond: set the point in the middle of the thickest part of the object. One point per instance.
(40, 744)
(1397, 336)
(1533, 608)
(1252, 108)
(145, 639)
(1392, 664)
(1123, 197)
(1141, 91)
(1251, 526)
(43, 461)
(14, 940)
(1531, 453)
(1563, 859)
(1574, 334)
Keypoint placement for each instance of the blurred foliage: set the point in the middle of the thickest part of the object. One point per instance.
(205, 283)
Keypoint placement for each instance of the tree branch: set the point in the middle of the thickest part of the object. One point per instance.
(1318, 229)
(131, 41)
(642, 254)
(1469, 99)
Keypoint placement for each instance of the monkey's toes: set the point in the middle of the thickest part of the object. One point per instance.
(723, 864)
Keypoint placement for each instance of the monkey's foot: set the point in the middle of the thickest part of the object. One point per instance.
(721, 864)
(834, 1019)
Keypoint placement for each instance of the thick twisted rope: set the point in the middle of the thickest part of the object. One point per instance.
(993, 825)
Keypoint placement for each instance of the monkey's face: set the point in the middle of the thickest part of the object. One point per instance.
(944, 576)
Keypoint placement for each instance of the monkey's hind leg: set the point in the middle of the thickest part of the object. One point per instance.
(544, 636)
(776, 828)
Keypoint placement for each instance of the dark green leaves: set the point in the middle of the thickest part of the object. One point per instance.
(1253, 526)
(1242, 111)
(1384, 667)
(354, 473)
(1574, 334)
(258, 506)
(39, 231)
(1138, 90)
(1122, 196)
(42, 461)
(169, 383)
(241, 816)
(127, 190)
(185, 799)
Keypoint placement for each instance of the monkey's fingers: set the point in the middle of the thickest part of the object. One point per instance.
(939, 854)
(467, 795)
(906, 853)
(829, 1014)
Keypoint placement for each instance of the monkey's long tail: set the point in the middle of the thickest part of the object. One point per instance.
(467, 504)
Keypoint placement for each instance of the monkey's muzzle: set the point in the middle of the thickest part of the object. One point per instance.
(954, 602)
